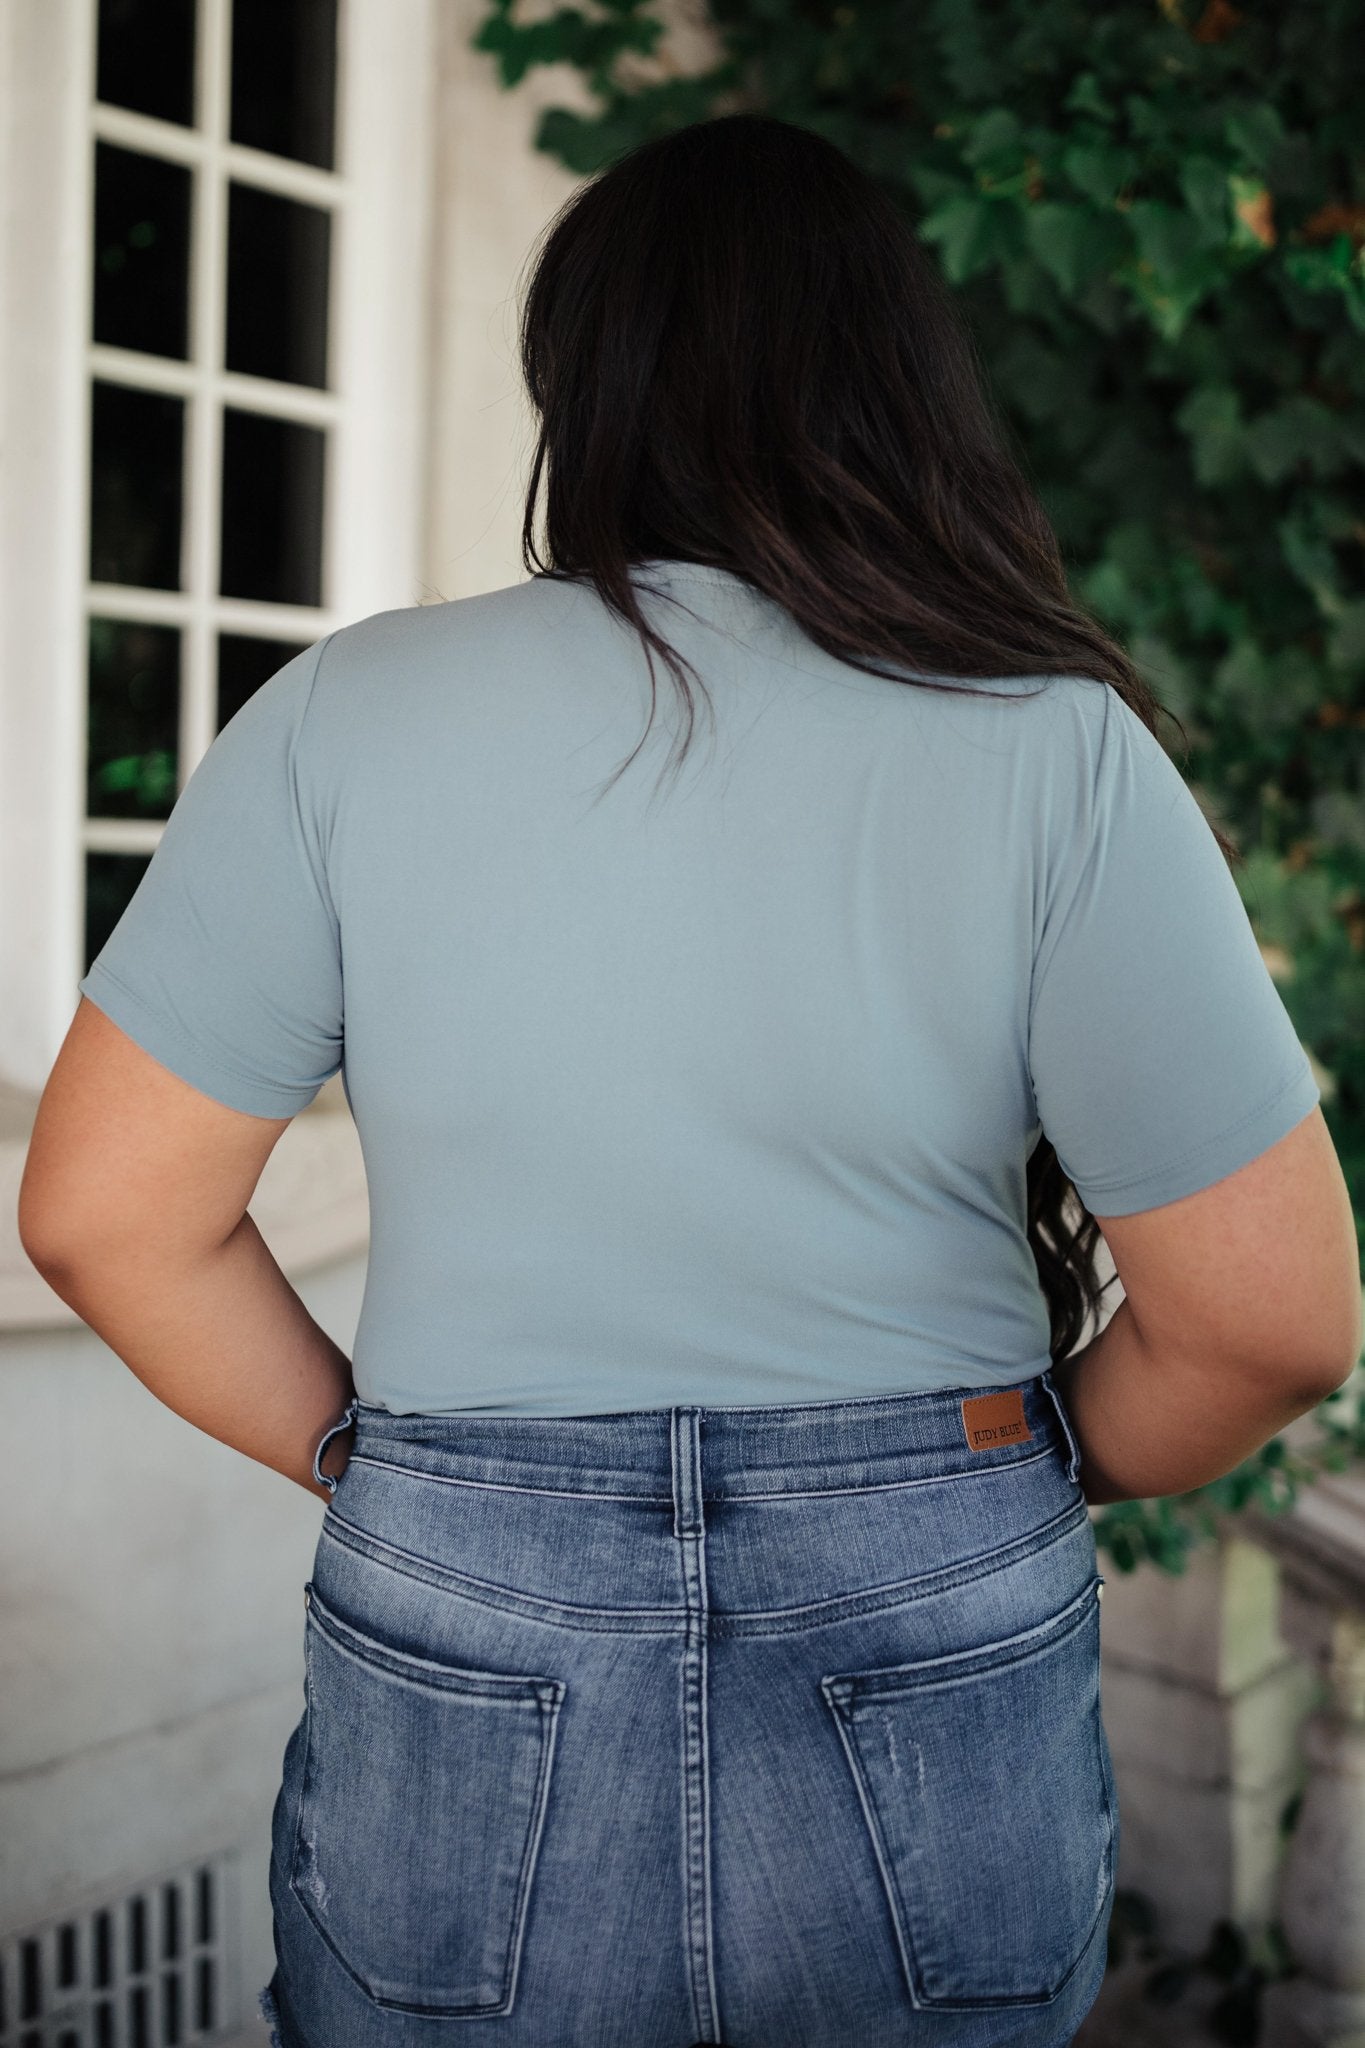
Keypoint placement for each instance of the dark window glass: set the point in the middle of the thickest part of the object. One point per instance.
(142, 251)
(284, 66)
(132, 746)
(203, 1905)
(170, 2009)
(170, 1920)
(67, 1968)
(244, 663)
(272, 509)
(139, 2030)
(110, 879)
(136, 486)
(203, 2001)
(104, 1947)
(137, 1936)
(277, 286)
(146, 57)
(30, 1980)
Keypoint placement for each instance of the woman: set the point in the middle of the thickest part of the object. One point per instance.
(703, 1636)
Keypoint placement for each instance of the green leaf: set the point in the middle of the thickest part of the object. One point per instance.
(1299, 432)
(1310, 557)
(991, 136)
(1204, 188)
(1085, 97)
(1167, 238)
(1346, 643)
(962, 228)
(1212, 418)
(1248, 198)
(1255, 129)
(1099, 170)
(1061, 238)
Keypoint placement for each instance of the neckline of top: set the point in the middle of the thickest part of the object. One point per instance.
(673, 568)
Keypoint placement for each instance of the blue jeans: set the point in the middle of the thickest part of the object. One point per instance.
(774, 1726)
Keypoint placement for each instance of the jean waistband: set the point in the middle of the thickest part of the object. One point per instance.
(728, 1452)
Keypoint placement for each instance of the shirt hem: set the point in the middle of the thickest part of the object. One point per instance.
(1233, 1147)
(169, 1046)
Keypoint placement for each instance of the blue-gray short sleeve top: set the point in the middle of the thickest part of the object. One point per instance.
(716, 1087)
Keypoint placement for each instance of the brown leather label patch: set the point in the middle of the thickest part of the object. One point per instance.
(994, 1419)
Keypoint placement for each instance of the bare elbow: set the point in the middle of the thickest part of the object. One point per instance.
(45, 1245)
(1343, 1362)
(1337, 1377)
(49, 1225)
(1323, 1372)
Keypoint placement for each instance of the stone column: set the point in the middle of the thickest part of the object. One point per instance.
(1322, 1883)
(1203, 1702)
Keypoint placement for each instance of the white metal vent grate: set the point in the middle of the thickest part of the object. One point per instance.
(144, 1971)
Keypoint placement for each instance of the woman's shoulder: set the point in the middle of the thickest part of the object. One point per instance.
(417, 630)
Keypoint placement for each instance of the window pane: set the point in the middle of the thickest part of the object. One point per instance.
(277, 286)
(272, 509)
(110, 879)
(146, 57)
(284, 64)
(142, 251)
(136, 449)
(134, 699)
(244, 663)
(203, 2005)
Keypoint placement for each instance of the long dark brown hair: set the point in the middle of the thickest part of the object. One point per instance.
(740, 354)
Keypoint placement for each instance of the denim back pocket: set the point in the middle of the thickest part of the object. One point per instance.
(421, 1808)
(987, 1787)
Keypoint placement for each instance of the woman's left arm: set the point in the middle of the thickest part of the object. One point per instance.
(133, 1207)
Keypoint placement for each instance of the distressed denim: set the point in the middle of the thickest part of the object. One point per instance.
(774, 1726)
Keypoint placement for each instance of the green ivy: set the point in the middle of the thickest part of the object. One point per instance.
(1164, 1531)
(1154, 217)
(150, 777)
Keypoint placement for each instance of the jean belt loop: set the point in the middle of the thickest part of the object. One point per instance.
(1074, 1462)
(325, 1478)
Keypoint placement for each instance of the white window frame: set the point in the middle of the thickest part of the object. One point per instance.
(379, 357)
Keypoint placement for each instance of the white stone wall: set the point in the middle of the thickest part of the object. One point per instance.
(151, 1633)
(495, 194)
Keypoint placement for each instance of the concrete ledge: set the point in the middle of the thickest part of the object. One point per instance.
(311, 1204)
(94, 1824)
(112, 1818)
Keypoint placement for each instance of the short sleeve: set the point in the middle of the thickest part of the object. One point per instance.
(1161, 1054)
(226, 962)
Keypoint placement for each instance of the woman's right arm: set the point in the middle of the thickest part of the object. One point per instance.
(1241, 1311)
